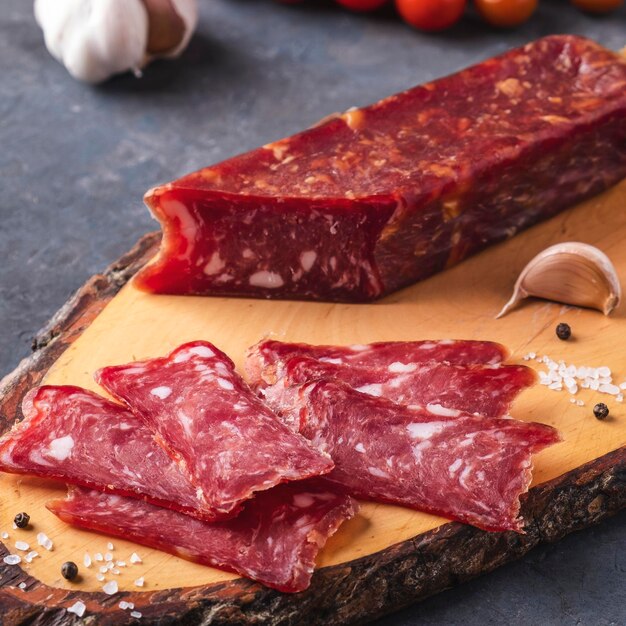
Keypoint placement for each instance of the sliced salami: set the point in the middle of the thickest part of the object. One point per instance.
(274, 540)
(212, 424)
(76, 436)
(485, 389)
(397, 355)
(450, 463)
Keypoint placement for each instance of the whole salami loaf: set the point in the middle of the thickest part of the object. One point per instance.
(383, 196)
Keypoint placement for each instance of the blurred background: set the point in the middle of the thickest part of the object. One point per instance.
(75, 160)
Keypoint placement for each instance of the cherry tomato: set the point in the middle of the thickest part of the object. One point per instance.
(362, 5)
(506, 13)
(598, 6)
(431, 15)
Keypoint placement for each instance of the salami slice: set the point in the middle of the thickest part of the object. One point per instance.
(212, 424)
(380, 197)
(487, 390)
(274, 540)
(76, 436)
(399, 355)
(450, 463)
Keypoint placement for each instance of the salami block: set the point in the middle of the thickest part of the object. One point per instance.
(380, 197)
(274, 540)
(487, 390)
(263, 358)
(212, 424)
(74, 435)
(450, 463)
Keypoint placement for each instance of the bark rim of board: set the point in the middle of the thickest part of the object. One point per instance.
(357, 591)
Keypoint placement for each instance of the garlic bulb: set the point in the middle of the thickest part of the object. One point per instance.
(571, 273)
(95, 39)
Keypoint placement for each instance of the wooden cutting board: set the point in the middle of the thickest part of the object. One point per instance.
(388, 556)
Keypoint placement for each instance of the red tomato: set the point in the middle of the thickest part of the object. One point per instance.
(598, 6)
(431, 15)
(506, 13)
(362, 5)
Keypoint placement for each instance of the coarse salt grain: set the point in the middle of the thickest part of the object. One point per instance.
(619, 397)
(572, 400)
(31, 555)
(110, 546)
(123, 605)
(115, 571)
(120, 563)
(611, 389)
(622, 385)
(135, 614)
(12, 559)
(135, 558)
(104, 569)
(22, 585)
(78, 608)
(22, 545)
(5, 535)
(110, 588)
(100, 577)
(87, 560)
(98, 556)
(44, 541)
(139, 582)
(580, 403)
(108, 556)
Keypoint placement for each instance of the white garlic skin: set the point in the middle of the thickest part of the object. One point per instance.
(571, 273)
(95, 39)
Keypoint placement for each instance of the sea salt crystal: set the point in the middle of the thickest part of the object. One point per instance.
(604, 371)
(594, 384)
(78, 608)
(98, 556)
(31, 555)
(87, 560)
(22, 585)
(135, 558)
(120, 563)
(12, 559)
(110, 587)
(104, 569)
(44, 541)
(622, 386)
(5, 535)
(139, 582)
(108, 556)
(115, 571)
(135, 614)
(556, 385)
(580, 403)
(572, 400)
(620, 397)
(22, 545)
(100, 577)
(123, 605)
(110, 546)
(611, 389)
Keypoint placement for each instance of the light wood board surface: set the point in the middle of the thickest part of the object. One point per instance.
(459, 303)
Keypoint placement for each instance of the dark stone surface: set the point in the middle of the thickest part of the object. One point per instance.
(75, 161)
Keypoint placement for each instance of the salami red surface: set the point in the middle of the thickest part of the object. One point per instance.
(461, 466)
(385, 354)
(484, 389)
(380, 197)
(76, 436)
(274, 540)
(212, 424)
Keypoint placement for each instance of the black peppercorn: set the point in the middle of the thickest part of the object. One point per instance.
(21, 520)
(601, 411)
(69, 570)
(563, 331)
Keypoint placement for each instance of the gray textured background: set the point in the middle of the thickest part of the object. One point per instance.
(75, 161)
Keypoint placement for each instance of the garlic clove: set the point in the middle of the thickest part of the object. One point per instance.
(572, 273)
(96, 39)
